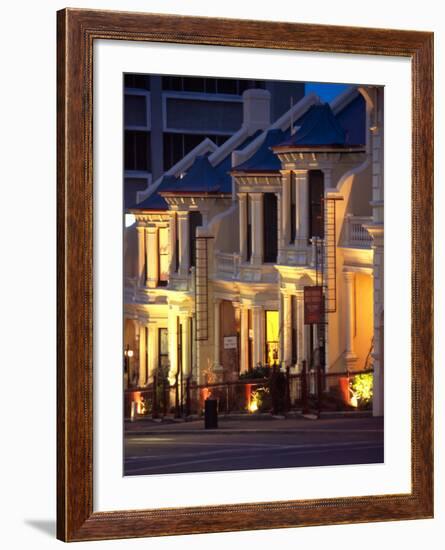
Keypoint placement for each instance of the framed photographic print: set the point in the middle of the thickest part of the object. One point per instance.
(244, 275)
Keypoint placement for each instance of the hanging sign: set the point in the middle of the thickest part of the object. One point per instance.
(313, 305)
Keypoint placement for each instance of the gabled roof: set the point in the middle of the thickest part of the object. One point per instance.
(201, 178)
(352, 117)
(319, 128)
(264, 160)
(155, 201)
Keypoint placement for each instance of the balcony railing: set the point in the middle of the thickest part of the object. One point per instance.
(356, 235)
(227, 264)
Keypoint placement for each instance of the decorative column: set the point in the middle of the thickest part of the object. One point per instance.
(302, 214)
(350, 356)
(258, 334)
(216, 334)
(244, 337)
(287, 329)
(285, 210)
(186, 340)
(280, 243)
(141, 255)
(142, 378)
(327, 178)
(257, 228)
(301, 332)
(172, 242)
(184, 243)
(152, 350)
(151, 250)
(242, 197)
(172, 344)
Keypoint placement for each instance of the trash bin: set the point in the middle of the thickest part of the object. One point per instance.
(210, 414)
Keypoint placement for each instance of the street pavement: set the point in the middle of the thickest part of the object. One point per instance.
(246, 444)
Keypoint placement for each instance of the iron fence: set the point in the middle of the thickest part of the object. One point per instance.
(310, 390)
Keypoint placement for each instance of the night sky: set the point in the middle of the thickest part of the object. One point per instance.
(327, 92)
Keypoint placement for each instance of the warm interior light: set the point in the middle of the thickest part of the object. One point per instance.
(129, 353)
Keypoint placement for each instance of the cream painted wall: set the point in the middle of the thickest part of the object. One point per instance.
(363, 317)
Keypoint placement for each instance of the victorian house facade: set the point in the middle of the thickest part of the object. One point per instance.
(225, 243)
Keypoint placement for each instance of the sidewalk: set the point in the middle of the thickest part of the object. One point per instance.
(254, 424)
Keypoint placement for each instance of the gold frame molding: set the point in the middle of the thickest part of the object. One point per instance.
(77, 30)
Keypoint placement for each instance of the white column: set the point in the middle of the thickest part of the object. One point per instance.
(242, 197)
(184, 243)
(186, 339)
(152, 258)
(152, 349)
(287, 329)
(302, 217)
(244, 337)
(285, 209)
(258, 334)
(350, 356)
(172, 344)
(172, 242)
(141, 255)
(142, 378)
(257, 228)
(301, 332)
(280, 242)
(216, 333)
(327, 178)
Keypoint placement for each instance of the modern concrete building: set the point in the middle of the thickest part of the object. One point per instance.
(165, 117)
(227, 241)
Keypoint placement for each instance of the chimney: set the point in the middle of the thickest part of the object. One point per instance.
(256, 110)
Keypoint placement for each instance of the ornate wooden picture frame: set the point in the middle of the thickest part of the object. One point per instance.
(77, 31)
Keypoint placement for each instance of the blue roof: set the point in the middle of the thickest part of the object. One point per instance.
(353, 119)
(319, 128)
(264, 160)
(155, 201)
(202, 177)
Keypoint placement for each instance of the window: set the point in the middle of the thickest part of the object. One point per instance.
(270, 227)
(137, 150)
(249, 229)
(201, 116)
(135, 110)
(294, 337)
(163, 256)
(316, 194)
(293, 209)
(177, 145)
(141, 81)
(163, 361)
(194, 84)
(195, 220)
(272, 337)
(209, 85)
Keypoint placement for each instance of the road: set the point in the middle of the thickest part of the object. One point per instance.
(238, 446)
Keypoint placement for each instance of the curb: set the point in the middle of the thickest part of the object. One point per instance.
(216, 431)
